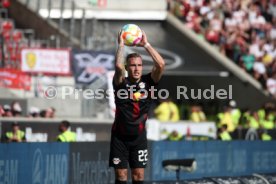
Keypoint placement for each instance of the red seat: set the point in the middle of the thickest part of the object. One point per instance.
(17, 36)
(10, 47)
(13, 57)
(7, 36)
(6, 3)
(7, 26)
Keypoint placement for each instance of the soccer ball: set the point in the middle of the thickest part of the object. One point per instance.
(132, 34)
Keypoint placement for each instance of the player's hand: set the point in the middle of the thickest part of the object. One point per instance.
(144, 40)
(120, 38)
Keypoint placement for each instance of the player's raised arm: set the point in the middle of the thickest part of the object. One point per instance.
(119, 61)
(159, 63)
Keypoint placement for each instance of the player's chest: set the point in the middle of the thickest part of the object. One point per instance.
(135, 92)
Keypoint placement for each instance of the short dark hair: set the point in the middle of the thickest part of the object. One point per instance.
(132, 55)
(65, 123)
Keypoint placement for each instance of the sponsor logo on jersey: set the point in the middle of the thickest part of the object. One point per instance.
(142, 85)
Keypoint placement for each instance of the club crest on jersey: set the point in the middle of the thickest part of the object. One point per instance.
(142, 85)
(116, 161)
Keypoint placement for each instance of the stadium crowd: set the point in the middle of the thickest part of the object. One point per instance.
(243, 30)
(15, 110)
(228, 120)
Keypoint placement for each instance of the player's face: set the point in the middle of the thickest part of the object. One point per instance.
(134, 68)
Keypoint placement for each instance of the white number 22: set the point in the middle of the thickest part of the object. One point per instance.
(142, 155)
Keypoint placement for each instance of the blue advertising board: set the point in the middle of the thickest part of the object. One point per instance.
(215, 158)
(89, 163)
(64, 163)
(34, 163)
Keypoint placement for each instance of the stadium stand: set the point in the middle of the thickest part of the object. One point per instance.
(242, 30)
(100, 33)
(13, 41)
(92, 25)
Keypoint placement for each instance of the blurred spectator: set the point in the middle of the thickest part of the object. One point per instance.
(257, 21)
(16, 109)
(245, 118)
(267, 123)
(215, 27)
(48, 113)
(272, 8)
(254, 121)
(66, 135)
(272, 33)
(197, 115)
(225, 118)
(181, 8)
(244, 25)
(261, 113)
(224, 134)
(247, 61)
(2, 112)
(42, 113)
(259, 71)
(164, 134)
(7, 111)
(271, 85)
(235, 112)
(264, 136)
(230, 23)
(34, 112)
(174, 136)
(52, 112)
(245, 31)
(167, 111)
(256, 47)
(15, 135)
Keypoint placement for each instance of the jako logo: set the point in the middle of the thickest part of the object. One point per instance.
(37, 167)
(49, 168)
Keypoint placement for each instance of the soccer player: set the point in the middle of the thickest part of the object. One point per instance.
(128, 135)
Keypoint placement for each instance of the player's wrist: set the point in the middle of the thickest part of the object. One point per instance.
(147, 45)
